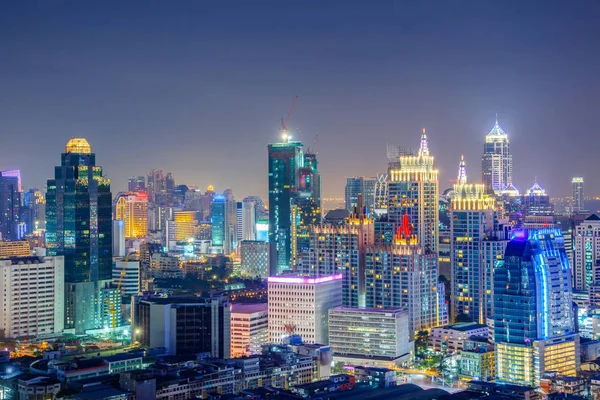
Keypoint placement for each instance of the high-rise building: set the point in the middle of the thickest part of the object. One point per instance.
(10, 204)
(128, 274)
(118, 238)
(136, 184)
(404, 275)
(340, 249)
(578, 194)
(36, 201)
(306, 210)
(413, 190)
(218, 221)
(381, 194)
(248, 220)
(239, 226)
(472, 220)
(185, 225)
(33, 296)
(496, 161)
(300, 306)
(285, 160)
(230, 223)
(534, 328)
(587, 253)
(360, 185)
(185, 325)
(133, 209)
(249, 329)
(79, 227)
(156, 185)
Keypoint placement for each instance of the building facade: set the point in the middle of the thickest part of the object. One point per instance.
(33, 296)
(299, 305)
(132, 208)
(534, 328)
(578, 194)
(587, 253)
(249, 329)
(79, 227)
(369, 336)
(254, 259)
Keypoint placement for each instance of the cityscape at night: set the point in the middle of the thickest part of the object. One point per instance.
(315, 200)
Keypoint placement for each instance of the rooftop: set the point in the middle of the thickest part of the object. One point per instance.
(369, 309)
(78, 146)
(465, 326)
(249, 308)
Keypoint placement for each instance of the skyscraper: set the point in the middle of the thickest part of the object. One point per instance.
(285, 160)
(79, 227)
(413, 190)
(472, 219)
(497, 160)
(360, 185)
(230, 232)
(10, 203)
(578, 194)
(248, 219)
(306, 210)
(218, 221)
(133, 209)
(533, 314)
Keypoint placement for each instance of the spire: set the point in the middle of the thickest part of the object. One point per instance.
(496, 118)
(424, 148)
(497, 129)
(462, 172)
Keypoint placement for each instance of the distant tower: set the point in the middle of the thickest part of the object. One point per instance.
(218, 220)
(497, 160)
(578, 199)
(79, 227)
(10, 202)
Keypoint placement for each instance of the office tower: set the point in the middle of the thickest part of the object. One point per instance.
(496, 163)
(118, 238)
(249, 329)
(299, 305)
(79, 227)
(156, 185)
(185, 225)
(578, 195)
(218, 221)
(248, 220)
(306, 210)
(169, 182)
(285, 160)
(533, 315)
(587, 253)
(163, 266)
(136, 184)
(10, 203)
(239, 228)
(472, 219)
(360, 185)
(493, 247)
(132, 208)
(536, 203)
(16, 248)
(413, 190)
(369, 336)
(36, 200)
(340, 249)
(403, 275)
(254, 259)
(33, 296)
(230, 230)
(185, 326)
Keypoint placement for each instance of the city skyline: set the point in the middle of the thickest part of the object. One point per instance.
(163, 90)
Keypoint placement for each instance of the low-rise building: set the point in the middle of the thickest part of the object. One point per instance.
(451, 338)
(477, 361)
(570, 385)
(335, 383)
(37, 387)
(15, 248)
(373, 376)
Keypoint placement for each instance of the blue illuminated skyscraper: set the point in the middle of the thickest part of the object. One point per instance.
(79, 227)
(497, 160)
(217, 220)
(533, 314)
(285, 160)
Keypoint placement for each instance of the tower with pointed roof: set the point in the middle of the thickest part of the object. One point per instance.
(497, 160)
(472, 220)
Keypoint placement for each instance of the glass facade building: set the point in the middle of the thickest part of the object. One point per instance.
(496, 161)
(533, 314)
(217, 220)
(10, 203)
(79, 227)
(285, 160)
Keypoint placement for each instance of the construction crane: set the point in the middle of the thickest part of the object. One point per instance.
(284, 124)
(111, 301)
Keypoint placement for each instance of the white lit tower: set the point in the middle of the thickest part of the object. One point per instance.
(496, 161)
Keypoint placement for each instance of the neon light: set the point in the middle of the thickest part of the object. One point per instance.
(310, 281)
